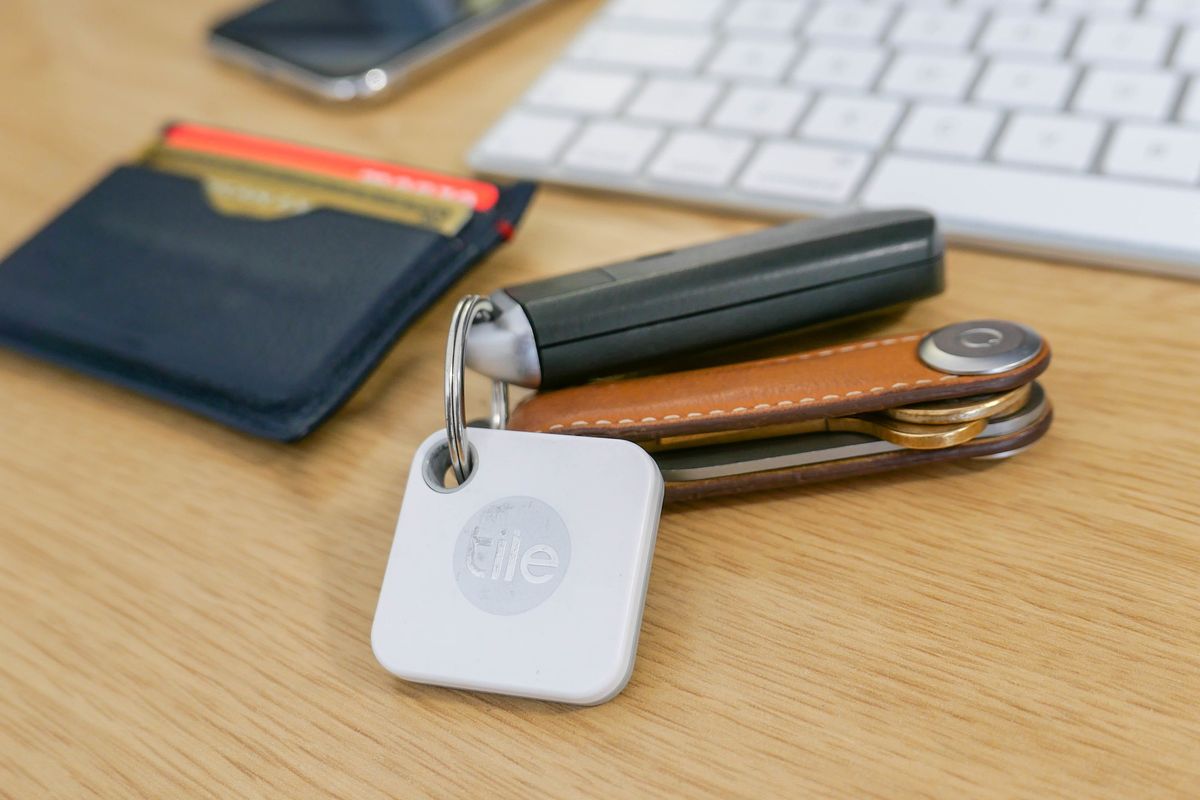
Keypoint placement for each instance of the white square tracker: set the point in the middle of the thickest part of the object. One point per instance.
(530, 578)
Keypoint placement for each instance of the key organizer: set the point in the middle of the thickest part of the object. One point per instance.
(778, 397)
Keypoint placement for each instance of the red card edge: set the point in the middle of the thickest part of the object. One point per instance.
(188, 136)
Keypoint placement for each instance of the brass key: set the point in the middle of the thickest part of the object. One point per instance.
(905, 434)
(742, 458)
(924, 426)
(963, 409)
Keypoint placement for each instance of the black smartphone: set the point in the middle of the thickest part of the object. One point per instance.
(356, 49)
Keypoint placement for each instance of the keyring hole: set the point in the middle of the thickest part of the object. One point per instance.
(439, 471)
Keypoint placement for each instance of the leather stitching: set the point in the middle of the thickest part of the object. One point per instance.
(782, 403)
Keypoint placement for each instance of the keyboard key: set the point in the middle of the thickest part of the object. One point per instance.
(848, 119)
(1050, 140)
(643, 49)
(948, 130)
(1187, 52)
(1050, 210)
(761, 109)
(1189, 111)
(1026, 84)
(804, 172)
(1027, 34)
(1155, 152)
(1092, 6)
(617, 147)
(753, 58)
(700, 158)
(936, 27)
(1127, 93)
(849, 19)
(528, 136)
(1004, 5)
(1173, 9)
(681, 100)
(944, 76)
(838, 67)
(585, 90)
(768, 16)
(683, 12)
(1117, 40)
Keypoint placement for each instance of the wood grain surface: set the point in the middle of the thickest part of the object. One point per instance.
(185, 612)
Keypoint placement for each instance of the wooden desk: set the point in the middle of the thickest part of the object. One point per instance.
(185, 612)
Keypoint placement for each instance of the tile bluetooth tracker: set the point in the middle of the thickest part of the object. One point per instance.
(528, 579)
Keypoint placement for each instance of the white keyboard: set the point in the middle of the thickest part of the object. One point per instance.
(1062, 127)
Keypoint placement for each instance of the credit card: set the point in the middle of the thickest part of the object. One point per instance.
(260, 191)
(479, 195)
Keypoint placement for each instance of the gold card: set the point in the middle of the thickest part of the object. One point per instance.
(246, 189)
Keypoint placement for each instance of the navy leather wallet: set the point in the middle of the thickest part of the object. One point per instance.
(265, 325)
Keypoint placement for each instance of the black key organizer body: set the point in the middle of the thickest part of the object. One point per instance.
(267, 326)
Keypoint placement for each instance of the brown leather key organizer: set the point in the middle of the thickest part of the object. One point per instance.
(963, 391)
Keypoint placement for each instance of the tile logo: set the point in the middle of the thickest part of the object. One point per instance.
(512, 555)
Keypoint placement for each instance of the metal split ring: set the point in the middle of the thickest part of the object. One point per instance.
(471, 308)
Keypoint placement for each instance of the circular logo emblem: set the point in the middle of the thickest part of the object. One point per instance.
(982, 347)
(980, 338)
(512, 555)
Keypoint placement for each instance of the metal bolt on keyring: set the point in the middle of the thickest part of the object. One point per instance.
(471, 308)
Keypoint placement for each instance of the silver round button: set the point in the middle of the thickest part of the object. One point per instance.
(982, 347)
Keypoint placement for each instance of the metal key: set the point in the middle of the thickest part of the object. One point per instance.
(925, 426)
(905, 434)
(740, 458)
(963, 409)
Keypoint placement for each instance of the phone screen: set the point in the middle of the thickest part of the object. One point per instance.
(340, 38)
